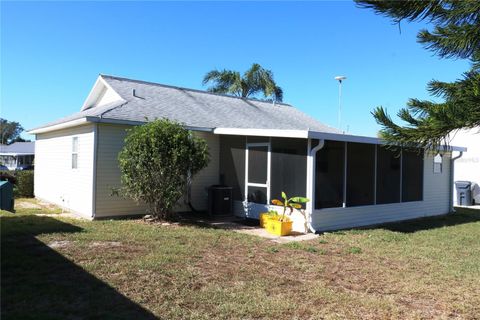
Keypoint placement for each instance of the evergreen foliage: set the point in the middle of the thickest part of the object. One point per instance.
(455, 34)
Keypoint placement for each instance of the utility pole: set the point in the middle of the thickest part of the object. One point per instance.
(340, 79)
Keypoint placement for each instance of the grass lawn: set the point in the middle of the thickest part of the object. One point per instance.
(60, 268)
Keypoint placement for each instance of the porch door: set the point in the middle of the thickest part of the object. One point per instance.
(257, 184)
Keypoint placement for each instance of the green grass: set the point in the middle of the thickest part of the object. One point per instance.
(59, 268)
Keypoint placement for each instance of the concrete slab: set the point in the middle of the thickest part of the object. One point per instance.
(239, 225)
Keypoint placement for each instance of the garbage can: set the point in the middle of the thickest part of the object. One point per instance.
(6, 196)
(464, 193)
(219, 200)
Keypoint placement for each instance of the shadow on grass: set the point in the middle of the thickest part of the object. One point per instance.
(203, 220)
(461, 216)
(39, 283)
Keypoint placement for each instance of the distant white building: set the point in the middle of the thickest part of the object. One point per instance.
(18, 155)
(467, 168)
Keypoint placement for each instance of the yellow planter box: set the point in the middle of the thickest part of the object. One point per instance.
(279, 228)
(263, 219)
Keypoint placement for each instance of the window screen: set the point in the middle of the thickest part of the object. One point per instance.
(360, 174)
(412, 175)
(232, 164)
(288, 167)
(74, 152)
(257, 195)
(329, 173)
(388, 175)
(257, 164)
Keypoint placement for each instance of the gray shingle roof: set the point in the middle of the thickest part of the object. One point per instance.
(18, 148)
(197, 108)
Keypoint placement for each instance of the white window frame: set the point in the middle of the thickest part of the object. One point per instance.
(438, 166)
(74, 153)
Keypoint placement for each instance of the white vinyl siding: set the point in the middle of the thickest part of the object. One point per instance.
(55, 180)
(110, 142)
(436, 192)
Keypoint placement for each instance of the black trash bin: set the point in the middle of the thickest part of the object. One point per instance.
(464, 193)
(220, 200)
(6, 196)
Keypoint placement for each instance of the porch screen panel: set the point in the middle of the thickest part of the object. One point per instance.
(360, 174)
(288, 167)
(329, 174)
(412, 175)
(388, 175)
(257, 195)
(232, 164)
(257, 164)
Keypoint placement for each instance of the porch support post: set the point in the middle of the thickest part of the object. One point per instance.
(311, 156)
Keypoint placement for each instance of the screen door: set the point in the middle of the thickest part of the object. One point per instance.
(257, 186)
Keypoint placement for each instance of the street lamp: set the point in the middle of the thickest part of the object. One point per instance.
(340, 79)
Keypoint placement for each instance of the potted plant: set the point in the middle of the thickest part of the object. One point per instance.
(281, 225)
(265, 216)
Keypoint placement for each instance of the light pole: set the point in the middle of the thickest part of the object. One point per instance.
(340, 79)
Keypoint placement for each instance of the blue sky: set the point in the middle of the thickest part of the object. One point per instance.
(52, 52)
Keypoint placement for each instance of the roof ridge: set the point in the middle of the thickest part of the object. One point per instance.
(194, 90)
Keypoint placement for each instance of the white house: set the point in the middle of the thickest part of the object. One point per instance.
(467, 168)
(18, 155)
(259, 148)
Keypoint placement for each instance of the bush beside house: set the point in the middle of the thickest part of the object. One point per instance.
(158, 161)
(22, 181)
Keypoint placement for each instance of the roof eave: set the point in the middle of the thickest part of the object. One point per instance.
(85, 120)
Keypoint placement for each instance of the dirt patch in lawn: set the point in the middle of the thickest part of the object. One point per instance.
(59, 244)
(105, 244)
(310, 275)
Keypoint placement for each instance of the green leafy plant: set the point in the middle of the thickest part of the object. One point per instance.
(291, 203)
(156, 162)
(272, 213)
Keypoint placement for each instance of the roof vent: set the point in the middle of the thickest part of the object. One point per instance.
(137, 96)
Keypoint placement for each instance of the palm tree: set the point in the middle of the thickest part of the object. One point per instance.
(254, 80)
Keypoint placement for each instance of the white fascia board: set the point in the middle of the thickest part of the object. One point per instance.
(262, 132)
(344, 137)
(364, 139)
(14, 154)
(68, 124)
(95, 91)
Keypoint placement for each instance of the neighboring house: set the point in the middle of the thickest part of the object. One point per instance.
(18, 155)
(259, 148)
(467, 167)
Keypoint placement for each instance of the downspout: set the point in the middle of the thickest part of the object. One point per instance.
(94, 167)
(452, 169)
(312, 153)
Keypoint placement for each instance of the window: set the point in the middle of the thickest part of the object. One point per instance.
(412, 175)
(329, 175)
(74, 152)
(360, 174)
(388, 175)
(437, 163)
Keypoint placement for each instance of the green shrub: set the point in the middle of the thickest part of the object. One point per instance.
(22, 184)
(157, 161)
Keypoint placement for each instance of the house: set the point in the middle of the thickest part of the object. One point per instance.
(467, 168)
(259, 148)
(18, 155)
